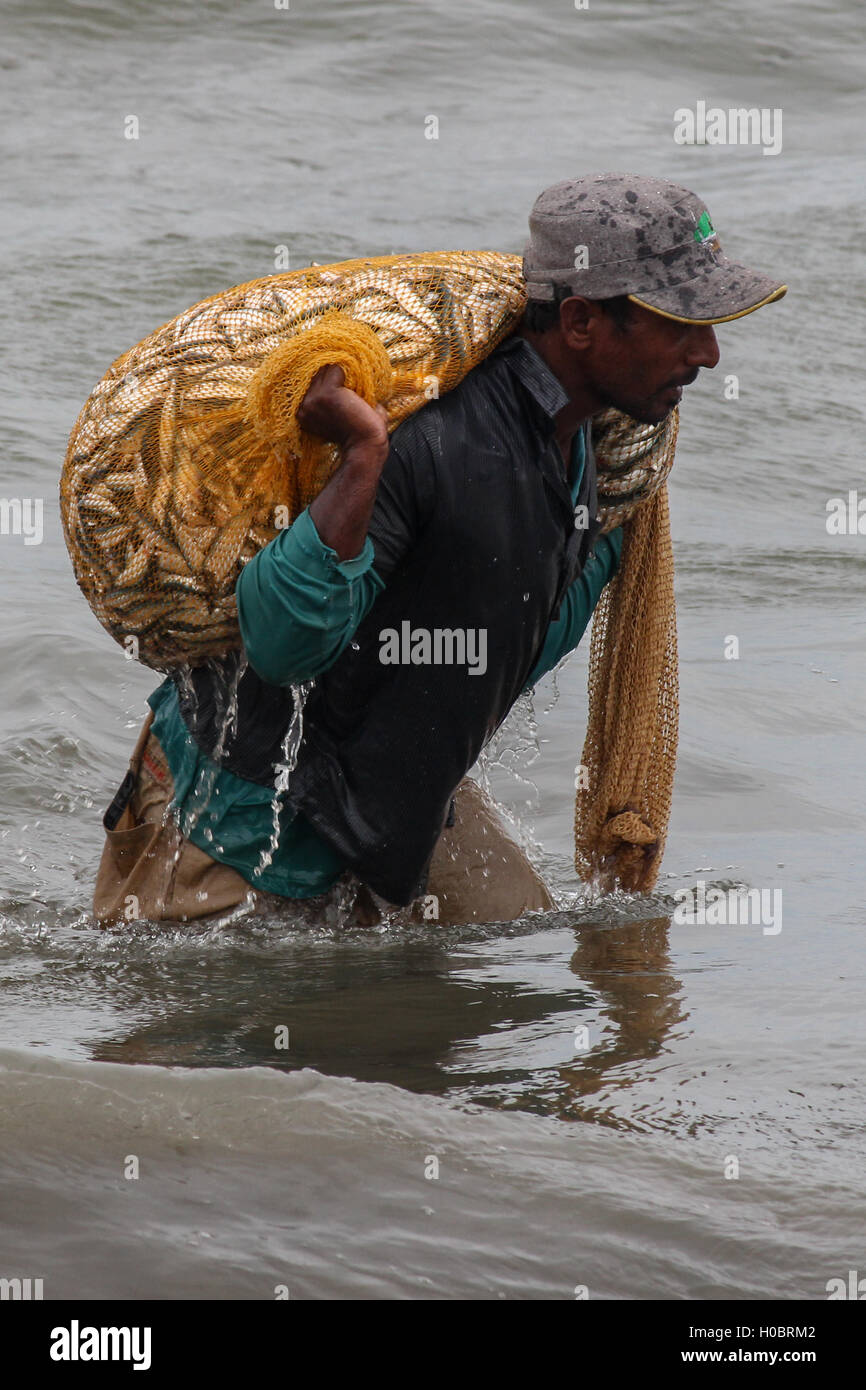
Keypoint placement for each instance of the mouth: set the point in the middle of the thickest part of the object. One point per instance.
(686, 381)
(674, 392)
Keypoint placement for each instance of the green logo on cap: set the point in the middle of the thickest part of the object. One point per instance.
(704, 231)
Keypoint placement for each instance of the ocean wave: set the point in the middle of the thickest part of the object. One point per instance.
(244, 1182)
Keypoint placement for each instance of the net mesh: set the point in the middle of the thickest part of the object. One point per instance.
(623, 799)
(186, 459)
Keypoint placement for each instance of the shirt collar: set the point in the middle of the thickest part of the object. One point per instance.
(531, 369)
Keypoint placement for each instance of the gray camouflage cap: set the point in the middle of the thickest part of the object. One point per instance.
(613, 234)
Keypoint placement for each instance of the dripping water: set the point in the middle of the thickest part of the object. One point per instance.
(227, 692)
(226, 696)
(290, 748)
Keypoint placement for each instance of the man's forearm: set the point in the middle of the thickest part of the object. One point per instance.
(343, 508)
(301, 598)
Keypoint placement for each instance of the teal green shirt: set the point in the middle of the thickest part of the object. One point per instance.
(298, 607)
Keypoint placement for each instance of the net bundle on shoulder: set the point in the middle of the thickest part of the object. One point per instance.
(187, 458)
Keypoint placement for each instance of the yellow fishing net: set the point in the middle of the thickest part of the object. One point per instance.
(186, 459)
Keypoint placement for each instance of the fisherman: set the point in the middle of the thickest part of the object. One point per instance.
(477, 516)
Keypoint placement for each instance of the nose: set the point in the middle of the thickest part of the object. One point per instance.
(703, 349)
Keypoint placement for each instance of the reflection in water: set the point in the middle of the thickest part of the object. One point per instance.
(470, 1015)
(629, 967)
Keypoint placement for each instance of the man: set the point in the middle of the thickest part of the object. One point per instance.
(464, 534)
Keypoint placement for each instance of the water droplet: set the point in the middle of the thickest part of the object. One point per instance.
(526, 598)
(356, 646)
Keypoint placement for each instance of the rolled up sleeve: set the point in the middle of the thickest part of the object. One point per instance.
(299, 605)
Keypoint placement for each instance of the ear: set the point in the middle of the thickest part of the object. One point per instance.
(576, 319)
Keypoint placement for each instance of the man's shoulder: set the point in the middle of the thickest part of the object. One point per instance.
(457, 415)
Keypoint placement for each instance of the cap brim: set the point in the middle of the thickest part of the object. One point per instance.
(728, 291)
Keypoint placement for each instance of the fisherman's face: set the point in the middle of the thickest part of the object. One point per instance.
(642, 368)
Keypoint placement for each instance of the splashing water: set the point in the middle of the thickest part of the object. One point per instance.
(183, 675)
(199, 800)
(290, 748)
(512, 750)
(227, 720)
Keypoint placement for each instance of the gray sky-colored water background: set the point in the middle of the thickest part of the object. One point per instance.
(703, 1137)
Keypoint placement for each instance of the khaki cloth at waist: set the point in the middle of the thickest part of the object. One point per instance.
(149, 870)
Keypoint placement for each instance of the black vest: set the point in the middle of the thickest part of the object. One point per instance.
(385, 746)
